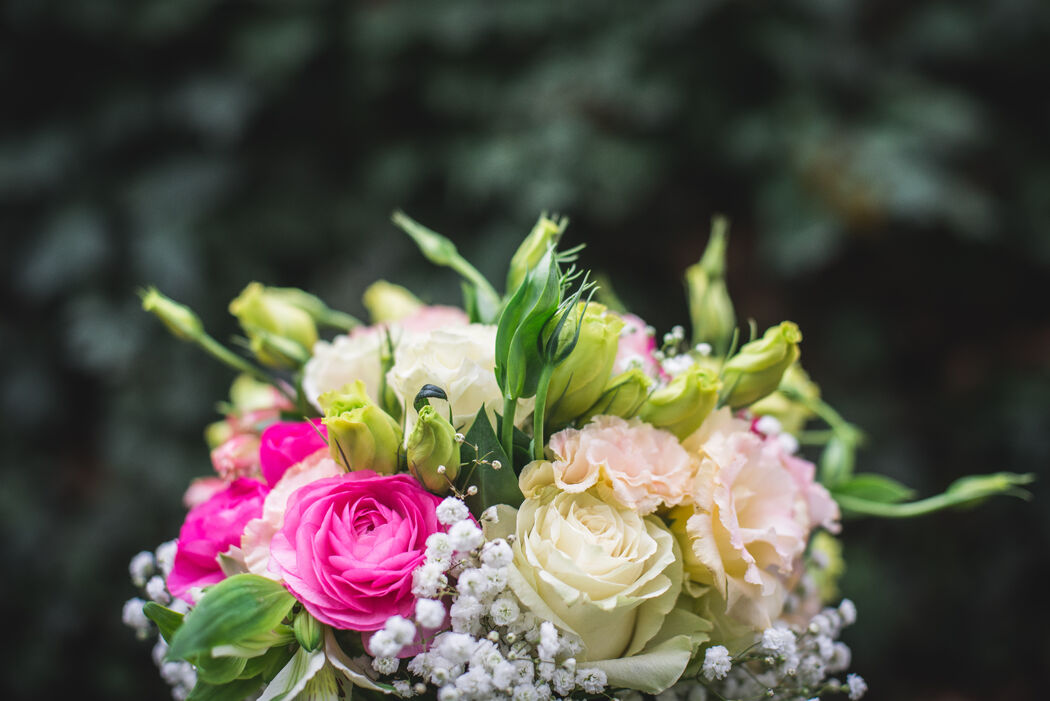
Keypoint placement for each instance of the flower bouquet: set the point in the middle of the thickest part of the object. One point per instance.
(535, 496)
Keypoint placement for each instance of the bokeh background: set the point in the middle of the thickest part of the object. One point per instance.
(886, 166)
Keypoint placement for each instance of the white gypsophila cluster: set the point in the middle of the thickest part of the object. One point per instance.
(786, 662)
(478, 641)
(149, 572)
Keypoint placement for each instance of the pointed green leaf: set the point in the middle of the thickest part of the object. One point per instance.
(167, 621)
(219, 670)
(267, 666)
(878, 488)
(236, 690)
(292, 679)
(494, 486)
(235, 609)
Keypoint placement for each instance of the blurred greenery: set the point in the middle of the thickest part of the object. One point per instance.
(885, 165)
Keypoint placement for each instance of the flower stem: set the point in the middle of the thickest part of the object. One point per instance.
(507, 433)
(539, 411)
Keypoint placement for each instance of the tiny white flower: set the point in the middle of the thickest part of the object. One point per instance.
(591, 680)
(403, 689)
(840, 658)
(401, 630)
(504, 675)
(717, 663)
(857, 686)
(473, 583)
(428, 580)
(465, 536)
(504, 611)
(452, 510)
(788, 442)
(449, 693)
(157, 590)
(385, 665)
(133, 615)
(141, 567)
(703, 349)
(545, 671)
(548, 647)
(455, 647)
(166, 556)
(563, 681)
(383, 644)
(438, 547)
(779, 641)
(848, 611)
(497, 553)
(430, 613)
(525, 692)
(768, 425)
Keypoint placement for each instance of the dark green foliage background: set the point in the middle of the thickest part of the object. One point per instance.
(886, 165)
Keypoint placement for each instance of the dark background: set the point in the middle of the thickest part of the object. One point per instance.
(885, 164)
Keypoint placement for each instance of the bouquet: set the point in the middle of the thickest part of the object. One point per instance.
(534, 496)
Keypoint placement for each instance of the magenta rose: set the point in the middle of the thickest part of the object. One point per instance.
(287, 443)
(212, 528)
(349, 544)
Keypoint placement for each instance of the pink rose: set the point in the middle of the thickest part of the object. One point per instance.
(349, 544)
(637, 345)
(286, 443)
(201, 490)
(644, 467)
(210, 529)
(237, 457)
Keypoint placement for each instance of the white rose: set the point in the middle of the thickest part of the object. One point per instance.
(460, 360)
(356, 356)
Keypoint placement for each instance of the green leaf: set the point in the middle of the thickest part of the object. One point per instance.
(267, 665)
(219, 670)
(167, 621)
(494, 486)
(837, 460)
(236, 690)
(234, 610)
(878, 488)
(293, 677)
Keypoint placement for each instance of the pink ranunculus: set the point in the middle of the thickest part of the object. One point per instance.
(237, 457)
(637, 345)
(286, 443)
(349, 544)
(210, 529)
(201, 490)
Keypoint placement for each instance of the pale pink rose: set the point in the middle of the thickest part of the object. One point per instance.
(212, 528)
(644, 467)
(286, 443)
(433, 317)
(349, 544)
(259, 532)
(749, 521)
(823, 510)
(201, 490)
(237, 457)
(637, 345)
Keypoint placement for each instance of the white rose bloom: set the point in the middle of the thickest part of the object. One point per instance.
(357, 356)
(460, 360)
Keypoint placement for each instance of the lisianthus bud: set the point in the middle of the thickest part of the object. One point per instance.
(710, 308)
(623, 395)
(281, 332)
(577, 382)
(544, 235)
(756, 370)
(431, 446)
(389, 302)
(791, 413)
(361, 436)
(308, 631)
(179, 318)
(684, 403)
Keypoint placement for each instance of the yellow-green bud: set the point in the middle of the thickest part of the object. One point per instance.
(579, 380)
(710, 308)
(388, 302)
(544, 235)
(431, 446)
(248, 394)
(623, 395)
(179, 318)
(684, 403)
(361, 436)
(791, 413)
(757, 369)
(308, 631)
(281, 332)
(217, 433)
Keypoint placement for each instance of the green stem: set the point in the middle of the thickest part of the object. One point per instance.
(338, 320)
(225, 355)
(908, 510)
(507, 433)
(539, 411)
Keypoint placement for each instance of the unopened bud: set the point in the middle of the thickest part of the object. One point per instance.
(387, 302)
(710, 308)
(308, 631)
(281, 333)
(361, 435)
(179, 318)
(623, 396)
(684, 403)
(784, 404)
(578, 382)
(432, 451)
(544, 235)
(757, 369)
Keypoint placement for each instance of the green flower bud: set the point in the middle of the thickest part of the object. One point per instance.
(623, 396)
(179, 318)
(388, 302)
(710, 308)
(791, 413)
(217, 433)
(544, 235)
(757, 369)
(361, 436)
(280, 332)
(308, 631)
(432, 445)
(684, 403)
(580, 379)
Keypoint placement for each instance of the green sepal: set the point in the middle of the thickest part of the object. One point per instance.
(167, 621)
(235, 609)
(494, 486)
(236, 690)
(876, 488)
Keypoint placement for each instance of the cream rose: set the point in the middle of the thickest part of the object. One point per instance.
(595, 569)
(643, 467)
(748, 522)
(460, 360)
